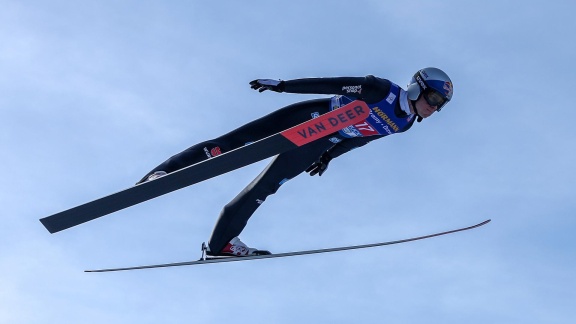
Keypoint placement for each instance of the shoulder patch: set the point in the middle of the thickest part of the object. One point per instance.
(391, 98)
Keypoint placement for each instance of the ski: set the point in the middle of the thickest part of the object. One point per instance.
(296, 136)
(281, 255)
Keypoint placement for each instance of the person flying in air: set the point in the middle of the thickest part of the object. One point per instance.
(392, 110)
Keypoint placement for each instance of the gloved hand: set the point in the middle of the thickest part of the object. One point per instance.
(267, 84)
(320, 166)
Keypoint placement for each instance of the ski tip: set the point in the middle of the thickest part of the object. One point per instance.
(481, 224)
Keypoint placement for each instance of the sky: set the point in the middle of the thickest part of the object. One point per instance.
(94, 94)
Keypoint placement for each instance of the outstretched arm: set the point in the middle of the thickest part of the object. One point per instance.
(369, 88)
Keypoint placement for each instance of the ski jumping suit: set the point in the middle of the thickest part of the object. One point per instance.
(389, 114)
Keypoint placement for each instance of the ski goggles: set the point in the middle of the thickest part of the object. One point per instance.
(434, 99)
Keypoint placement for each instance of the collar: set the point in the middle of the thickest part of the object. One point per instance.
(404, 105)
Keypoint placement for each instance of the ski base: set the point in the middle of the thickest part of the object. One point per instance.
(207, 260)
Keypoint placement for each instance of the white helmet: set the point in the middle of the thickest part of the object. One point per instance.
(434, 83)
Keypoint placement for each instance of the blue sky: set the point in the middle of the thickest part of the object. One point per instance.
(94, 94)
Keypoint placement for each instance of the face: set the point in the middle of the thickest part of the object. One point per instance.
(423, 108)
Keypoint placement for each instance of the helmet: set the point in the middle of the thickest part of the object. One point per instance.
(430, 80)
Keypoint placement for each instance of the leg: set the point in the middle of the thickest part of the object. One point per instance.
(235, 214)
(270, 124)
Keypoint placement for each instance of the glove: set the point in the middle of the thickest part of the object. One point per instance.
(320, 166)
(267, 84)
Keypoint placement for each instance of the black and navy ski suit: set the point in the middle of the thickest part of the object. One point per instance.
(389, 114)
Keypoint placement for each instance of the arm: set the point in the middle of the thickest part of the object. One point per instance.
(320, 166)
(349, 144)
(369, 89)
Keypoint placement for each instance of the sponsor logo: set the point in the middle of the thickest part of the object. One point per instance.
(239, 250)
(207, 152)
(327, 123)
(343, 117)
(351, 131)
(215, 151)
(448, 88)
(387, 129)
(386, 119)
(352, 89)
(422, 84)
(376, 120)
(335, 140)
(315, 114)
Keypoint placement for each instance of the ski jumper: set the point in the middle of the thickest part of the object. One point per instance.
(389, 114)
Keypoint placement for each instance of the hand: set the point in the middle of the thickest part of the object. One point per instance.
(320, 166)
(267, 84)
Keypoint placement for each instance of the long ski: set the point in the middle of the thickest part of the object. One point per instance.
(299, 135)
(281, 255)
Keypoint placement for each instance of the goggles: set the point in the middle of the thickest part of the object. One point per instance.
(434, 99)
